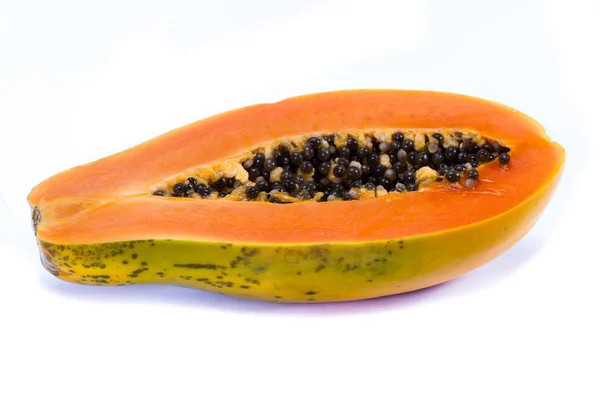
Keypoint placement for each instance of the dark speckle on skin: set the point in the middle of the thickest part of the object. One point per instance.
(219, 277)
(196, 266)
(134, 256)
(125, 262)
(245, 287)
(370, 280)
(144, 263)
(298, 273)
(160, 274)
(131, 246)
(389, 252)
(249, 252)
(310, 293)
(311, 299)
(320, 267)
(277, 297)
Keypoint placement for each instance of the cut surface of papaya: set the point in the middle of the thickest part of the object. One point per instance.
(325, 197)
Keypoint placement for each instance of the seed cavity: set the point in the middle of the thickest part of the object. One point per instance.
(345, 166)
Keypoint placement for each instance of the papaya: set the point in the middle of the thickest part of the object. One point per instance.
(325, 197)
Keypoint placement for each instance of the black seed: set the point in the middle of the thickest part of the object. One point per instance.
(462, 158)
(362, 152)
(504, 158)
(385, 182)
(230, 182)
(339, 171)
(276, 185)
(205, 192)
(343, 161)
(344, 152)
(473, 174)
(222, 194)
(460, 168)
(253, 173)
(346, 195)
(410, 177)
(285, 175)
(356, 184)
(437, 158)
(408, 145)
(422, 159)
(488, 147)
(353, 173)
(451, 153)
(192, 181)
(332, 151)
(270, 164)
(299, 179)
(323, 154)
(474, 149)
(400, 167)
(472, 157)
(393, 158)
(263, 186)
(352, 144)
(398, 136)
(159, 193)
(411, 187)
(306, 186)
(323, 183)
(395, 146)
(474, 163)
(372, 180)
(438, 136)
(259, 159)
(221, 183)
(412, 157)
(289, 186)
(402, 155)
(483, 155)
(314, 142)
(372, 160)
(330, 139)
(337, 188)
(178, 187)
(323, 168)
(306, 167)
(379, 170)
(467, 145)
(307, 152)
(370, 185)
(296, 158)
(453, 176)
(285, 161)
(365, 170)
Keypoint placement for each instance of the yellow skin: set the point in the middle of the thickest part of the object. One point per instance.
(300, 272)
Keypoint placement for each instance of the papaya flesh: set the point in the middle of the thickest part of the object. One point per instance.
(241, 203)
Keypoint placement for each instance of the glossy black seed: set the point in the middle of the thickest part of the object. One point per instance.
(437, 158)
(483, 155)
(372, 160)
(306, 167)
(410, 177)
(353, 173)
(474, 149)
(337, 188)
(352, 144)
(370, 185)
(289, 186)
(344, 152)
(372, 180)
(412, 187)
(277, 187)
(395, 146)
(230, 182)
(192, 181)
(488, 147)
(400, 167)
(323, 154)
(385, 182)
(365, 170)
(472, 157)
(491, 157)
(323, 184)
(285, 161)
(220, 183)
(263, 186)
(379, 170)
(339, 171)
(253, 173)
(504, 158)
(467, 145)
(422, 159)
(178, 187)
(412, 157)
(473, 174)
(299, 179)
(343, 162)
(460, 168)
(462, 158)
(356, 184)
(332, 151)
(453, 175)
(451, 153)
(393, 158)
(362, 152)
(474, 164)
(438, 136)
(402, 155)
(346, 195)
(307, 152)
(285, 175)
(270, 164)
(296, 158)
(313, 186)
(222, 194)
(330, 139)
(398, 137)
(259, 159)
(306, 186)
(205, 192)
(314, 142)
(190, 186)
(323, 168)
(408, 145)
(159, 193)
(496, 147)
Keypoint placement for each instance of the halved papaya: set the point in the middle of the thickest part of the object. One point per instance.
(326, 197)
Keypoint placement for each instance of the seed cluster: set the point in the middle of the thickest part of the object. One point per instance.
(321, 170)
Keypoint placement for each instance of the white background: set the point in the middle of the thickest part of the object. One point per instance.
(83, 79)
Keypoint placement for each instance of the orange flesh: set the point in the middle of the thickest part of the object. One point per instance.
(117, 187)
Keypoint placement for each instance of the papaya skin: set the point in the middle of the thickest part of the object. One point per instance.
(299, 273)
(113, 232)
